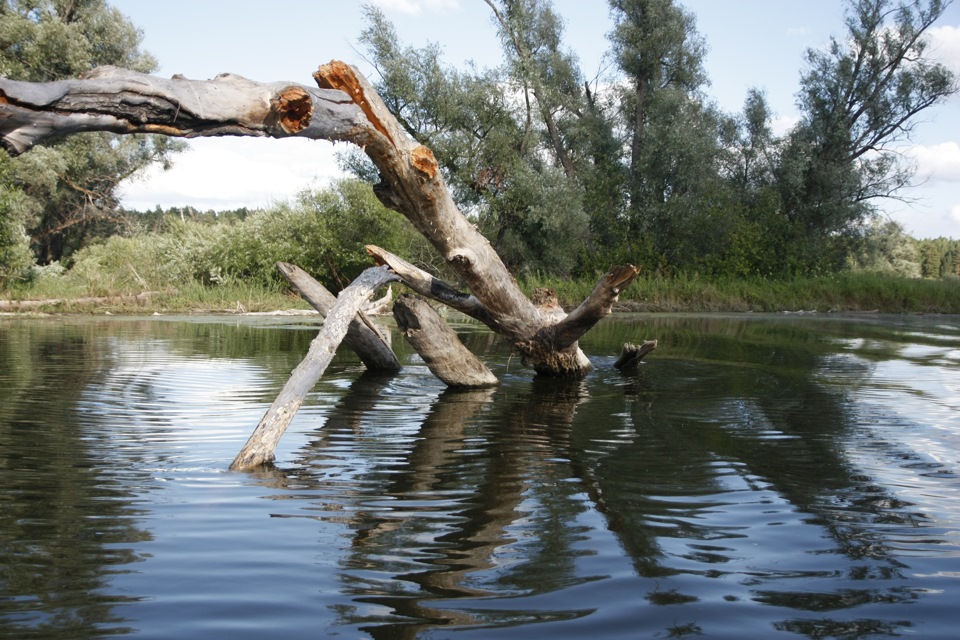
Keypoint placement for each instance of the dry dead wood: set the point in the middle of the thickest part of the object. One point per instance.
(632, 354)
(24, 305)
(438, 345)
(363, 337)
(260, 447)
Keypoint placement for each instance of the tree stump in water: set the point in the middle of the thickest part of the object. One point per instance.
(632, 354)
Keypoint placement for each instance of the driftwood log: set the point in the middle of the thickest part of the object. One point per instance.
(26, 305)
(362, 336)
(343, 107)
(260, 447)
(441, 350)
(632, 354)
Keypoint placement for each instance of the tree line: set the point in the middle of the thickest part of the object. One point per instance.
(564, 173)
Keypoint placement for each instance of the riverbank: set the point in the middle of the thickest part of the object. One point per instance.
(838, 293)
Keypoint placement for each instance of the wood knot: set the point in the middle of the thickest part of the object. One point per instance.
(292, 107)
(424, 160)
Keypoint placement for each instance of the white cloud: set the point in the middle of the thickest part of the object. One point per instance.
(938, 162)
(227, 173)
(955, 213)
(416, 7)
(945, 45)
(782, 125)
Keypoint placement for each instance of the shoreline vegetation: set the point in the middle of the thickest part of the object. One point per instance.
(855, 292)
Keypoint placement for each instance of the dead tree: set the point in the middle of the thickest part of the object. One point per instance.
(263, 441)
(344, 107)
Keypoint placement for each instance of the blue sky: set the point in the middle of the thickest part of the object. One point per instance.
(751, 43)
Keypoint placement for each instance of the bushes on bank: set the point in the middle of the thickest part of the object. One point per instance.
(323, 232)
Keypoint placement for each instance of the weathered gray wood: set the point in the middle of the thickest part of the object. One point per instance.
(24, 305)
(632, 354)
(597, 306)
(122, 101)
(363, 337)
(438, 345)
(434, 288)
(260, 447)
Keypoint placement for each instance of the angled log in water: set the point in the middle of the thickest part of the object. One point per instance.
(438, 345)
(632, 354)
(260, 447)
(345, 107)
(363, 337)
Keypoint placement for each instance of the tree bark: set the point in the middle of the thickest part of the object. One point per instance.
(260, 447)
(362, 336)
(345, 107)
(632, 354)
(23, 305)
(438, 345)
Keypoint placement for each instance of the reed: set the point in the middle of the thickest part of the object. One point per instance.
(853, 292)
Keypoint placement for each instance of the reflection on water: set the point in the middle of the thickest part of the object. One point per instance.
(760, 476)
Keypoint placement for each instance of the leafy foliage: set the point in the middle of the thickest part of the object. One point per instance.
(323, 232)
(566, 175)
(65, 192)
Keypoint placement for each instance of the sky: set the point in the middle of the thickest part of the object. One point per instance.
(750, 44)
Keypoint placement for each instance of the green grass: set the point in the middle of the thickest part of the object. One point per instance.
(847, 292)
(190, 298)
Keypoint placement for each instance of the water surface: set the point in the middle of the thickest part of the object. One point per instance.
(759, 477)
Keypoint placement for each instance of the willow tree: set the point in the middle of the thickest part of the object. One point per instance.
(61, 197)
(860, 97)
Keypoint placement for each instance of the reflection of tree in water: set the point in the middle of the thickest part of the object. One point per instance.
(63, 520)
(483, 499)
(767, 417)
(74, 395)
(463, 515)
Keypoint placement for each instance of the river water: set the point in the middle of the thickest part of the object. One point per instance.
(787, 476)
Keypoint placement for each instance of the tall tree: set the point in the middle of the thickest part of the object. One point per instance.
(752, 146)
(672, 133)
(572, 122)
(67, 193)
(860, 97)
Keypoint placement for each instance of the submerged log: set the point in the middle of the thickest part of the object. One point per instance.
(24, 305)
(363, 337)
(632, 354)
(261, 445)
(438, 345)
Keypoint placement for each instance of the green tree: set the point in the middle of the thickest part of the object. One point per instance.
(66, 192)
(939, 257)
(886, 248)
(672, 133)
(504, 157)
(751, 147)
(860, 97)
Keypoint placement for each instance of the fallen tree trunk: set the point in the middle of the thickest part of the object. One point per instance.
(362, 336)
(441, 349)
(260, 447)
(344, 107)
(24, 305)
